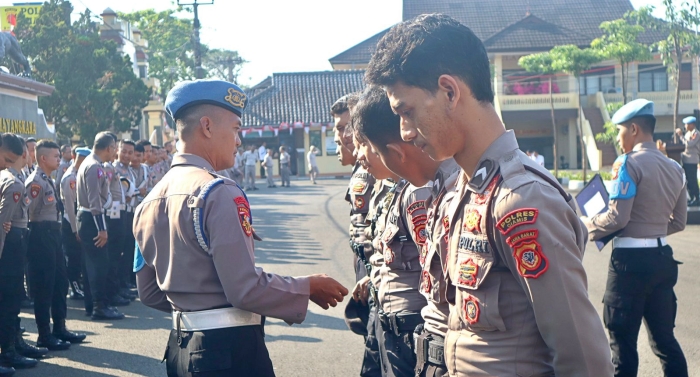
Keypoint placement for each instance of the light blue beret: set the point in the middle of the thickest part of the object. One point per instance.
(83, 151)
(689, 120)
(212, 92)
(636, 108)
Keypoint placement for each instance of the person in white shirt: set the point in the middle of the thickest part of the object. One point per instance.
(268, 162)
(285, 171)
(262, 151)
(538, 158)
(313, 167)
(250, 158)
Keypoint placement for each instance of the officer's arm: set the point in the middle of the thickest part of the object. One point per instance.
(68, 198)
(547, 262)
(691, 141)
(32, 187)
(227, 226)
(680, 213)
(415, 213)
(10, 191)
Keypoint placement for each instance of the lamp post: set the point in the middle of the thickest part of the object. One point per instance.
(197, 50)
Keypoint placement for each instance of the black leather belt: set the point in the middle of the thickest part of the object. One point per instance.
(399, 322)
(429, 348)
(52, 225)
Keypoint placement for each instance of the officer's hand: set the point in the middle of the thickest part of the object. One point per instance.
(7, 226)
(77, 237)
(101, 238)
(361, 290)
(325, 291)
(679, 132)
(142, 191)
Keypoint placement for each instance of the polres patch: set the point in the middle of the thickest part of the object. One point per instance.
(244, 215)
(530, 259)
(471, 310)
(517, 218)
(415, 206)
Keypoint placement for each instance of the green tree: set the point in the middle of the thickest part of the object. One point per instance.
(541, 63)
(609, 135)
(619, 42)
(223, 64)
(575, 61)
(681, 42)
(96, 88)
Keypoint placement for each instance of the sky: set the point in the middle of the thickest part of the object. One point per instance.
(281, 35)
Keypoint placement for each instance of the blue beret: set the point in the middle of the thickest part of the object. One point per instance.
(211, 92)
(636, 108)
(689, 120)
(83, 151)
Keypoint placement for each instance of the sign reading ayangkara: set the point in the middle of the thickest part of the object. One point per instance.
(14, 126)
(8, 15)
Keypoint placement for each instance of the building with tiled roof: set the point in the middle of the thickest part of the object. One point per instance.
(511, 29)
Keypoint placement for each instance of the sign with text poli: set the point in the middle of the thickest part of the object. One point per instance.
(8, 15)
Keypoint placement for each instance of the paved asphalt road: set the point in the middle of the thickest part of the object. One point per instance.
(304, 231)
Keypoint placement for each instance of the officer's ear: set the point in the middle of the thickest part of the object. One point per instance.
(449, 88)
(397, 150)
(206, 125)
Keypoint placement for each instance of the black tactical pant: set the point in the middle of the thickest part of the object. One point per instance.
(96, 260)
(371, 366)
(232, 351)
(398, 359)
(47, 274)
(640, 286)
(691, 174)
(115, 241)
(11, 285)
(72, 250)
(126, 268)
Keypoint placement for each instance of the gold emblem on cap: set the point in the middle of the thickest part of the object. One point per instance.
(236, 98)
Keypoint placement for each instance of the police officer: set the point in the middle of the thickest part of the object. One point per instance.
(11, 259)
(691, 158)
(93, 200)
(47, 266)
(515, 279)
(67, 157)
(125, 175)
(647, 204)
(69, 232)
(141, 175)
(197, 218)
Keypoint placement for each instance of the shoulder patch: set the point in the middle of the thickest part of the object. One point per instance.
(72, 185)
(359, 202)
(415, 206)
(517, 218)
(624, 186)
(16, 196)
(525, 235)
(420, 233)
(244, 215)
(100, 173)
(34, 190)
(530, 259)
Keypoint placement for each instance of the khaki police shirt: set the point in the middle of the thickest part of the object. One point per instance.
(382, 194)
(142, 179)
(124, 172)
(43, 197)
(62, 169)
(115, 186)
(517, 287)
(20, 219)
(11, 197)
(403, 234)
(648, 200)
(93, 186)
(433, 257)
(358, 195)
(691, 140)
(179, 273)
(69, 197)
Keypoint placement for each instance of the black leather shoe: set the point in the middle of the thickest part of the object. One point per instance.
(6, 372)
(52, 343)
(17, 361)
(119, 301)
(107, 313)
(28, 350)
(68, 336)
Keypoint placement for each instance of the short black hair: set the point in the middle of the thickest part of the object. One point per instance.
(646, 122)
(143, 143)
(30, 140)
(139, 148)
(374, 120)
(113, 135)
(13, 143)
(48, 144)
(64, 147)
(417, 52)
(128, 142)
(102, 141)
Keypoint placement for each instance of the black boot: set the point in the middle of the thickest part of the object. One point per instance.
(102, 311)
(6, 372)
(15, 360)
(117, 300)
(61, 332)
(29, 350)
(46, 339)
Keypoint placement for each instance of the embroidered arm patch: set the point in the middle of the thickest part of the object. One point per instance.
(529, 258)
(244, 215)
(517, 218)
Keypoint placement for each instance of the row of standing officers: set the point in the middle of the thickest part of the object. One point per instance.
(468, 255)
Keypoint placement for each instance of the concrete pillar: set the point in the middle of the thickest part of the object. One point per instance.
(572, 156)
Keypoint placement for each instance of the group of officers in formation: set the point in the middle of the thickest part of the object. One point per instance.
(468, 254)
(67, 214)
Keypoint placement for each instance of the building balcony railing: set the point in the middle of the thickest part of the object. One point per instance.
(538, 101)
(663, 101)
